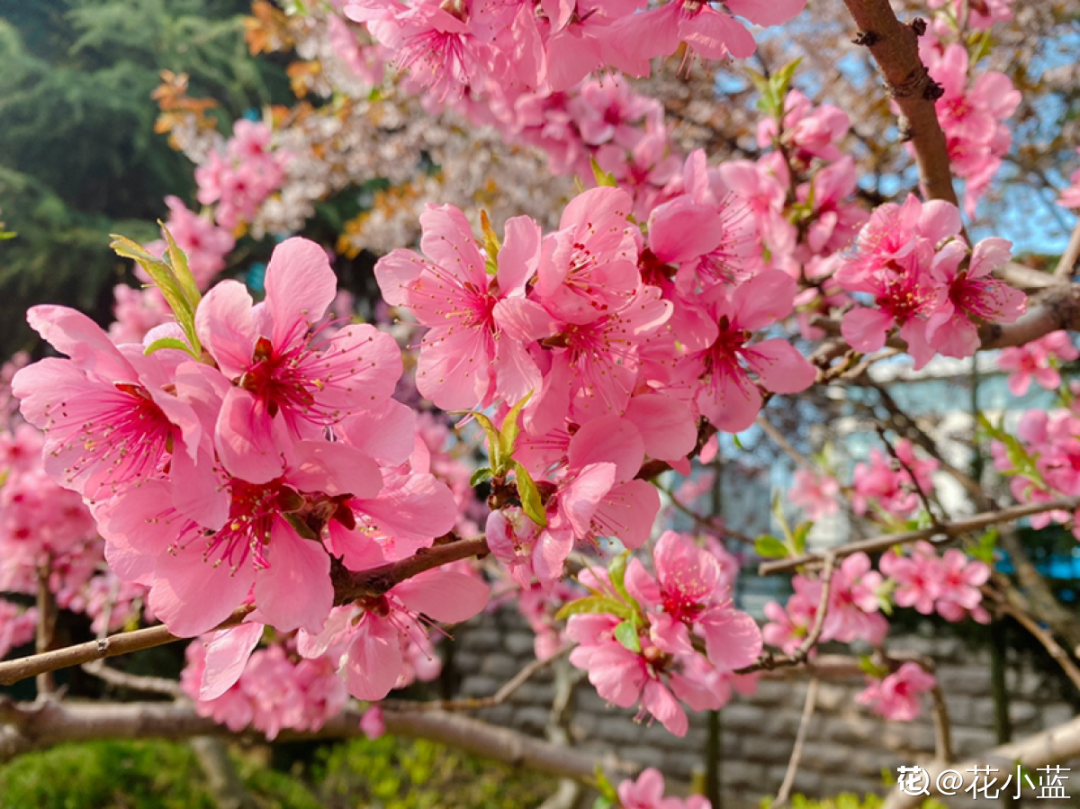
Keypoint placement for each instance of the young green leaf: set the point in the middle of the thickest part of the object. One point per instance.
(770, 547)
(626, 634)
(170, 342)
(593, 605)
(508, 432)
(531, 503)
(481, 475)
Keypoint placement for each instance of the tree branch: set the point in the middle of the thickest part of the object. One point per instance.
(895, 48)
(348, 586)
(1049, 747)
(940, 533)
(39, 726)
(1057, 307)
(800, 740)
(1067, 264)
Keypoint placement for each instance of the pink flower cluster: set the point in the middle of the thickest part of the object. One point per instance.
(1043, 461)
(978, 15)
(276, 690)
(925, 282)
(236, 479)
(467, 47)
(241, 176)
(852, 611)
(647, 792)
(889, 486)
(1037, 361)
(973, 117)
(947, 584)
(896, 696)
(642, 650)
(17, 626)
(815, 493)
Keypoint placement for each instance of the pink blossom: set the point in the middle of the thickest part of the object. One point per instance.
(973, 296)
(897, 696)
(647, 792)
(108, 425)
(480, 325)
(815, 493)
(287, 383)
(1036, 361)
(917, 577)
(727, 396)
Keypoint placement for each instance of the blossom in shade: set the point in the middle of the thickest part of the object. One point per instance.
(896, 697)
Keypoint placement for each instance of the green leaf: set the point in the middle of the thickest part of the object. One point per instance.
(7, 234)
(177, 292)
(508, 433)
(169, 342)
(491, 243)
(481, 475)
(873, 669)
(494, 447)
(984, 549)
(626, 634)
(594, 605)
(617, 575)
(781, 519)
(180, 269)
(770, 547)
(605, 788)
(802, 530)
(781, 79)
(531, 503)
(603, 178)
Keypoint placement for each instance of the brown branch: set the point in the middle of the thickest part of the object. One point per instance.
(1057, 307)
(1067, 264)
(767, 660)
(348, 586)
(45, 633)
(1055, 745)
(942, 727)
(800, 740)
(12, 671)
(1061, 657)
(895, 48)
(938, 534)
(39, 726)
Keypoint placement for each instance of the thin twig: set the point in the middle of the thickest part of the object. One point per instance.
(800, 740)
(923, 498)
(942, 728)
(938, 534)
(475, 703)
(1067, 264)
(136, 682)
(46, 629)
(1061, 657)
(348, 586)
(781, 441)
(767, 660)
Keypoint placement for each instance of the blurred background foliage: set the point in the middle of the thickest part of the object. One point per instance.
(79, 157)
(382, 773)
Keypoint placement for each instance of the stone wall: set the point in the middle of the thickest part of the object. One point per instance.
(847, 747)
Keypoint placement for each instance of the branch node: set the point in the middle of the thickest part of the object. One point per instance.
(867, 38)
(933, 91)
(918, 25)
